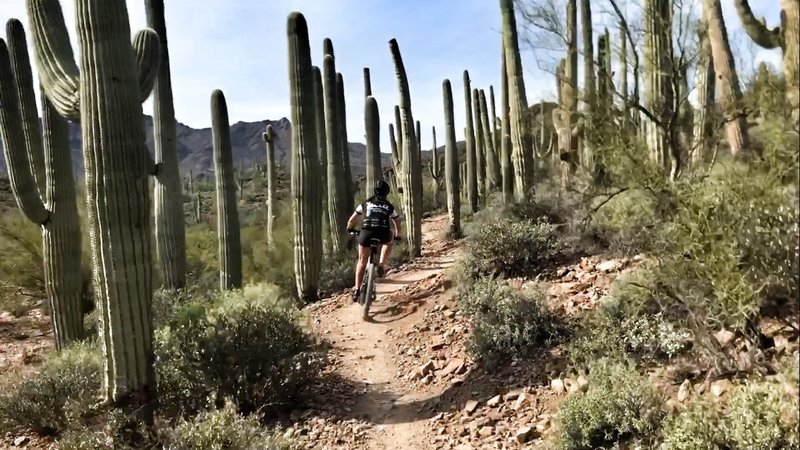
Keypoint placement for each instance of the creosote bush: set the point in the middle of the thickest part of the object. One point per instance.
(618, 405)
(513, 248)
(58, 395)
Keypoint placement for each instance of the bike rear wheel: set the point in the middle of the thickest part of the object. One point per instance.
(369, 289)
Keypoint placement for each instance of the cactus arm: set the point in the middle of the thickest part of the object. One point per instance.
(397, 158)
(23, 183)
(469, 138)
(23, 79)
(757, 29)
(372, 127)
(55, 59)
(269, 139)
(367, 83)
(148, 56)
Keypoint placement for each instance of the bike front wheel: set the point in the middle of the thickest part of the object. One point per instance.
(369, 293)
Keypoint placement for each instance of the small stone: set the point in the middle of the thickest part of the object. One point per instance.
(684, 390)
(724, 337)
(427, 368)
(557, 385)
(470, 407)
(583, 383)
(609, 266)
(486, 431)
(20, 441)
(719, 387)
(521, 400)
(494, 401)
(523, 434)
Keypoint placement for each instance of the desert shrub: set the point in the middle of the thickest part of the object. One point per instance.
(60, 393)
(514, 247)
(618, 405)
(202, 257)
(271, 262)
(223, 429)
(626, 222)
(247, 347)
(507, 324)
(338, 272)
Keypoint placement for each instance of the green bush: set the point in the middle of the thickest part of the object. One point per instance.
(507, 324)
(223, 429)
(338, 272)
(618, 405)
(514, 248)
(248, 347)
(47, 402)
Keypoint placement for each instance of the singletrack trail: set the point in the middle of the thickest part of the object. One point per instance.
(365, 352)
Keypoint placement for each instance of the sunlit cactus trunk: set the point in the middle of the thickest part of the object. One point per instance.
(367, 83)
(506, 168)
(57, 214)
(337, 201)
(451, 165)
(412, 170)
(590, 82)
(306, 189)
(105, 95)
(372, 124)
(658, 74)
(480, 150)
(349, 187)
(436, 171)
(623, 77)
(322, 151)
(705, 86)
(230, 249)
(469, 138)
(522, 148)
(269, 140)
(493, 175)
(736, 129)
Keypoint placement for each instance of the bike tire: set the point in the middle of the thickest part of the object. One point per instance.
(368, 291)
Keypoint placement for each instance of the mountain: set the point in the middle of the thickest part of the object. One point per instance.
(194, 147)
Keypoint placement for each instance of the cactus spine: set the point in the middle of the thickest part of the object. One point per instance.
(337, 204)
(506, 168)
(306, 189)
(269, 140)
(451, 166)
(786, 37)
(736, 130)
(105, 95)
(435, 170)
(57, 214)
(705, 85)
(412, 174)
(469, 138)
(493, 176)
(522, 150)
(344, 147)
(168, 198)
(230, 249)
(373, 128)
(322, 151)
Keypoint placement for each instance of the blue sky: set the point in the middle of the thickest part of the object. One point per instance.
(239, 46)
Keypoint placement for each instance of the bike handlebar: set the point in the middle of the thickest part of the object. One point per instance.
(355, 232)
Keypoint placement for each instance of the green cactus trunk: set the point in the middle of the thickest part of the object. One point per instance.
(451, 166)
(198, 208)
(106, 95)
(344, 147)
(337, 202)
(480, 150)
(493, 175)
(412, 173)
(367, 83)
(506, 168)
(269, 140)
(322, 151)
(705, 85)
(522, 148)
(418, 134)
(58, 214)
(589, 81)
(373, 130)
(436, 171)
(398, 126)
(306, 189)
(736, 129)
(495, 127)
(469, 138)
(623, 77)
(658, 72)
(230, 249)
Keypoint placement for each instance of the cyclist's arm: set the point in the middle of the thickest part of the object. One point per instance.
(351, 222)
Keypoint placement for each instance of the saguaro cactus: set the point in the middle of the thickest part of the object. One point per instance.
(373, 128)
(522, 149)
(435, 170)
(269, 140)
(230, 249)
(106, 95)
(306, 189)
(451, 166)
(344, 147)
(786, 37)
(322, 151)
(337, 202)
(493, 176)
(589, 82)
(480, 149)
(658, 72)
(469, 138)
(412, 174)
(506, 167)
(705, 84)
(736, 130)
(53, 208)
(367, 83)
(167, 195)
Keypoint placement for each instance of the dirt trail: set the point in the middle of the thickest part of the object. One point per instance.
(365, 349)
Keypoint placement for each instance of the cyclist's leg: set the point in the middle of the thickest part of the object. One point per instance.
(386, 249)
(363, 257)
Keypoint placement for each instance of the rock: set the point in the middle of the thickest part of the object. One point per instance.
(438, 344)
(494, 401)
(572, 385)
(523, 434)
(719, 387)
(427, 368)
(20, 441)
(557, 385)
(428, 378)
(470, 407)
(609, 266)
(486, 431)
(583, 383)
(724, 337)
(452, 367)
(684, 390)
(521, 400)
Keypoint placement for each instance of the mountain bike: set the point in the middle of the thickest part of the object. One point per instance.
(366, 291)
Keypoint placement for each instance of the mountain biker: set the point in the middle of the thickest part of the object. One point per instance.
(379, 217)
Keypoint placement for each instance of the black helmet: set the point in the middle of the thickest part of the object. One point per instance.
(382, 188)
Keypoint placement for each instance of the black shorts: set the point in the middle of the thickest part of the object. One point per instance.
(384, 235)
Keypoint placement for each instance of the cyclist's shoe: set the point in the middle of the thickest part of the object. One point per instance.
(355, 295)
(381, 271)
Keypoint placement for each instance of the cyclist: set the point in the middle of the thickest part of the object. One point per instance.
(379, 217)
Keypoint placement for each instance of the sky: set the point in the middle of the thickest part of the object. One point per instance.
(239, 46)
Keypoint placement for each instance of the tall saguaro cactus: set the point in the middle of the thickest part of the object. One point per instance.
(306, 189)
(469, 138)
(367, 83)
(337, 202)
(705, 84)
(322, 151)
(372, 126)
(493, 176)
(451, 166)
(480, 148)
(269, 140)
(736, 130)
(506, 167)
(658, 75)
(435, 170)
(168, 197)
(588, 54)
(412, 173)
(230, 248)
(56, 210)
(786, 37)
(106, 95)
(522, 148)
(344, 147)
